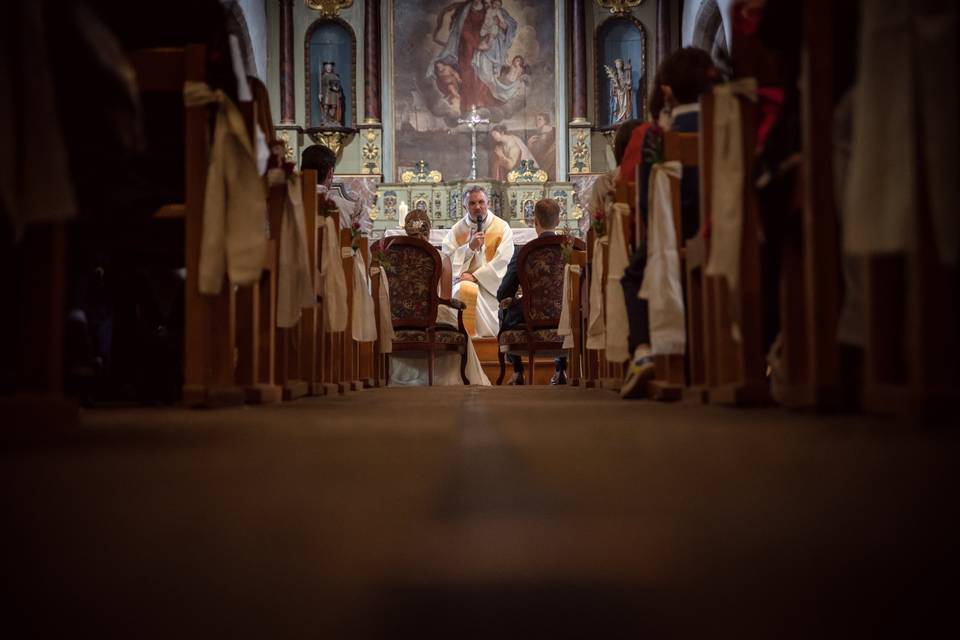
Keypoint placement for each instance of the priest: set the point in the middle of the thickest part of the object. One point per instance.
(480, 246)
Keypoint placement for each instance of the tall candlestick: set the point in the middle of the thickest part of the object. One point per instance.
(402, 214)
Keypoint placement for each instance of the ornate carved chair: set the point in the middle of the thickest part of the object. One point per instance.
(540, 266)
(413, 267)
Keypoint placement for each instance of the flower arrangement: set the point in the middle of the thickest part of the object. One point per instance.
(598, 221)
(653, 146)
(355, 234)
(566, 246)
(381, 255)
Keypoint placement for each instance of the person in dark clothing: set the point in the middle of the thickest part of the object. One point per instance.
(546, 217)
(684, 75)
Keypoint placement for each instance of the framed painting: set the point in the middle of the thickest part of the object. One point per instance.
(498, 56)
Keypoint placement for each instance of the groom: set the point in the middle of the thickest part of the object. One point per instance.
(480, 246)
(546, 217)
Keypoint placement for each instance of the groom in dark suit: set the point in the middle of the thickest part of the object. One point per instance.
(546, 217)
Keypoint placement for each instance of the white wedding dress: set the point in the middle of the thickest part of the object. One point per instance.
(410, 369)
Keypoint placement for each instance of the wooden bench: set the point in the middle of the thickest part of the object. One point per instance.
(210, 329)
(33, 331)
(671, 378)
(734, 369)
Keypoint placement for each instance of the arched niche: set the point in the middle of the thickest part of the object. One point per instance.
(620, 38)
(709, 33)
(330, 40)
(237, 26)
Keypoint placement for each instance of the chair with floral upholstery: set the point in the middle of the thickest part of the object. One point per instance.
(413, 267)
(540, 266)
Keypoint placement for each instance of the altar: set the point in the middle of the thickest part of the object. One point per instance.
(512, 200)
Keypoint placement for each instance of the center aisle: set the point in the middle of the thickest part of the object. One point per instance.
(455, 512)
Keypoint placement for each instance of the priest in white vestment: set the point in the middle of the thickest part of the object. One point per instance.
(480, 246)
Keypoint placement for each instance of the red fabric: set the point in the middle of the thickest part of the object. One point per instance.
(473, 92)
(633, 155)
(746, 18)
(770, 104)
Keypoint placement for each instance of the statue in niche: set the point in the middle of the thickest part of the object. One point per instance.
(621, 91)
(330, 96)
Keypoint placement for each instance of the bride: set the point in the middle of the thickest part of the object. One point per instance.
(411, 368)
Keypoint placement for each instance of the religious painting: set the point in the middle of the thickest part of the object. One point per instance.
(487, 61)
(330, 53)
(621, 76)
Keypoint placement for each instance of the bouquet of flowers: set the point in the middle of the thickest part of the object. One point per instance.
(566, 246)
(599, 222)
(355, 234)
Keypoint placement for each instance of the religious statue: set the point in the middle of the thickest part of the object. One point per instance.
(330, 96)
(621, 91)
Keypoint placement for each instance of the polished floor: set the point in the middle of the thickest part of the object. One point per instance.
(480, 513)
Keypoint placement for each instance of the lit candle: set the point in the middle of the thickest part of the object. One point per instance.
(402, 214)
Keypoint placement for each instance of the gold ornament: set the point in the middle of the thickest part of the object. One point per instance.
(619, 7)
(328, 8)
(421, 173)
(527, 172)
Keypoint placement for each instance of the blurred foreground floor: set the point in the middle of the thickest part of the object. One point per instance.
(480, 513)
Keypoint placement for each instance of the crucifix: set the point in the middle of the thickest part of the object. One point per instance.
(473, 122)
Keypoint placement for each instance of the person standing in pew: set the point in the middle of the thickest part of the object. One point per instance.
(546, 217)
(684, 75)
(323, 160)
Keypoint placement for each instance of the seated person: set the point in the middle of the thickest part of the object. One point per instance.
(684, 75)
(411, 370)
(546, 217)
(323, 160)
(480, 245)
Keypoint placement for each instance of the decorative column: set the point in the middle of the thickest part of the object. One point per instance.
(579, 46)
(578, 133)
(371, 151)
(664, 31)
(371, 62)
(287, 111)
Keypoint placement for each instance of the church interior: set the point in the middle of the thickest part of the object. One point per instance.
(479, 318)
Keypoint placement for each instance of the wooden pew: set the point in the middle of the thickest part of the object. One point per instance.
(350, 380)
(380, 367)
(911, 310)
(210, 332)
(311, 319)
(365, 350)
(611, 374)
(592, 357)
(256, 333)
(575, 364)
(670, 379)
(732, 327)
(32, 355)
(328, 374)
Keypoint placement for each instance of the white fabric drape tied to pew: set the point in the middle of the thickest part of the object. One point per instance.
(616, 345)
(35, 181)
(295, 288)
(363, 322)
(332, 279)
(595, 325)
(911, 47)
(726, 190)
(386, 317)
(565, 327)
(235, 203)
(661, 286)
